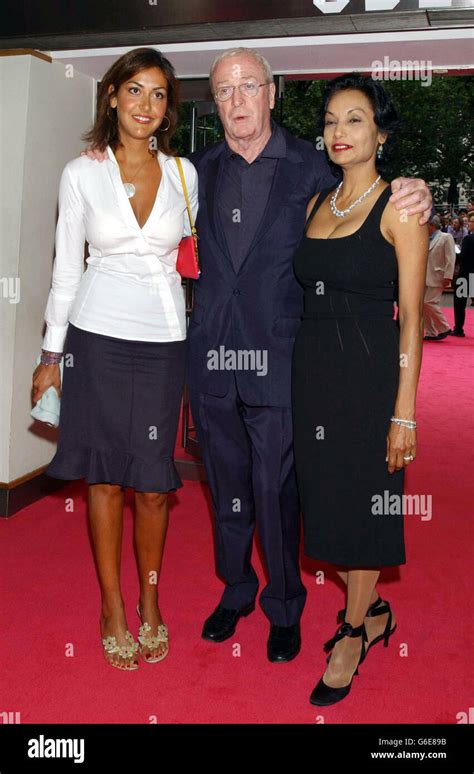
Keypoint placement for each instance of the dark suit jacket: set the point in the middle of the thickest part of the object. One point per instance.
(260, 306)
(466, 256)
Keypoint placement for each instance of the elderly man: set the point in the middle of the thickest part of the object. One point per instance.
(439, 273)
(254, 187)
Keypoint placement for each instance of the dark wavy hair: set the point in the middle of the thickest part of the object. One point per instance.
(105, 129)
(385, 115)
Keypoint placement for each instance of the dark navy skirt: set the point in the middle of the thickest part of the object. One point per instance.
(119, 411)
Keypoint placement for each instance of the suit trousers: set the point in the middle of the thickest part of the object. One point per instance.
(460, 302)
(433, 315)
(248, 456)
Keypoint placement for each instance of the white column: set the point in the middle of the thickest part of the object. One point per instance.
(45, 107)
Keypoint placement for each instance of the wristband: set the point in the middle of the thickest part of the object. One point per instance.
(50, 358)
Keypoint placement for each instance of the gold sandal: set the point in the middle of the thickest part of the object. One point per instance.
(126, 652)
(151, 643)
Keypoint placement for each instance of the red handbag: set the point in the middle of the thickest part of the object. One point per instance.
(187, 262)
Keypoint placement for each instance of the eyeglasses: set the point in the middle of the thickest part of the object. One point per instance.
(247, 89)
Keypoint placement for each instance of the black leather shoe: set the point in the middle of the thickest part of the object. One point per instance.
(222, 622)
(284, 642)
(442, 335)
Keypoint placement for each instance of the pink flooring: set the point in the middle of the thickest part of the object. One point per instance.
(51, 604)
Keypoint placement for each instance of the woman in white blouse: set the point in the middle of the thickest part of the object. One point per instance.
(121, 326)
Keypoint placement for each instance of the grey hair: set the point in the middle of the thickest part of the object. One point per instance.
(264, 64)
(436, 221)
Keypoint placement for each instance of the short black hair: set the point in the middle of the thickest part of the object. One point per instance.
(385, 115)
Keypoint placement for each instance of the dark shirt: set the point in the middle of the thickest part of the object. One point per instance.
(244, 192)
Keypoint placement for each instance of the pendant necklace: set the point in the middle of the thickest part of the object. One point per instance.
(343, 213)
(129, 188)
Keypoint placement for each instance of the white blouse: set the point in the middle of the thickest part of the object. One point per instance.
(130, 289)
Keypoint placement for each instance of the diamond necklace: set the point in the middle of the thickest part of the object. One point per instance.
(343, 213)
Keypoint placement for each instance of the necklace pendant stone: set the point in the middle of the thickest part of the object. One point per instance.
(129, 189)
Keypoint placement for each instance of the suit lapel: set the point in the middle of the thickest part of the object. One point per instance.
(213, 182)
(433, 241)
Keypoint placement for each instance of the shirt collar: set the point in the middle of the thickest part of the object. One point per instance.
(274, 149)
(162, 156)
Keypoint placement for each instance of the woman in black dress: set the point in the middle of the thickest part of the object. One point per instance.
(356, 369)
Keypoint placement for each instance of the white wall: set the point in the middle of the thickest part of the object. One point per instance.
(44, 112)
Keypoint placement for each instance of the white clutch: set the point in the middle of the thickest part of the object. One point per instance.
(48, 407)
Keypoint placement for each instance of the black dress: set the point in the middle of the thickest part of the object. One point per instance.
(345, 382)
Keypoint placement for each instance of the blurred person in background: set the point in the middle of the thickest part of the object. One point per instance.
(457, 230)
(461, 284)
(439, 272)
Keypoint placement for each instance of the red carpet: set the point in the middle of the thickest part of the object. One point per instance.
(50, 603)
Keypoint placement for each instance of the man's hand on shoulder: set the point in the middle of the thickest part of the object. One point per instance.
(413, 195)
(95, 154)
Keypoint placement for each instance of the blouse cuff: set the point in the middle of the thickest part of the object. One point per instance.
(54, 338)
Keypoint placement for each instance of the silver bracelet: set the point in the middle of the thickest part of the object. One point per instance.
(50, 358)
(410, 423)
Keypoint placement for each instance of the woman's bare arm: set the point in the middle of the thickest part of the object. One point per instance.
(411, 246)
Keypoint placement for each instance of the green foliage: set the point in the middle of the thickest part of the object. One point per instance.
(435, 142)
(209, 130)
(301, 104)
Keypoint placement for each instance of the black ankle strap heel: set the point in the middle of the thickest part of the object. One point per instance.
(342, 613)
(379, 607)
(346, 630)
(323, 695)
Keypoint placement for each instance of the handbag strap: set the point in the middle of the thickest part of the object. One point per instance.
(185, 191)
